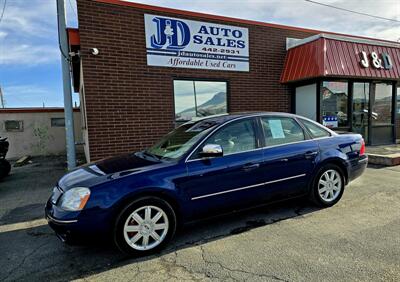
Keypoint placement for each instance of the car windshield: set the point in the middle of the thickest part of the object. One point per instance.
(179, 141)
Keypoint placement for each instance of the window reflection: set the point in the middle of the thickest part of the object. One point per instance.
(398, 102)
(199, 98)
(235, 137)
(334, 103)
(361, 108)
(382, 105)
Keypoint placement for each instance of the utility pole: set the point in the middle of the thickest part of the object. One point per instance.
(1, 98)
(68, 110)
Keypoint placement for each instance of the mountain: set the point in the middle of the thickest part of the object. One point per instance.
(219, 98)
(216, 105)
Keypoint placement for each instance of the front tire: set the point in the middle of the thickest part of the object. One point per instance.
(328, 186)
(145, 226)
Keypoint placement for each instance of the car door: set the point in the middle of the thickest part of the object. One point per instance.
(288, 157)
(220, 184)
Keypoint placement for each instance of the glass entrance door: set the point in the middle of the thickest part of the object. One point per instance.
(382, 121)
(360, 105)
(372, 112)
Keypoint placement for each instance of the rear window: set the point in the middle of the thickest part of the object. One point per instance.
(281, 130)
(315, 130)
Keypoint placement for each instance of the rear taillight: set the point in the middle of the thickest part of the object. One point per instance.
(362, 149)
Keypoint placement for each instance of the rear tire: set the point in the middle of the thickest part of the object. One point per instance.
(328, 186)
(144, 226)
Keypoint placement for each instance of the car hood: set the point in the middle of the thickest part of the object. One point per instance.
(97, 172)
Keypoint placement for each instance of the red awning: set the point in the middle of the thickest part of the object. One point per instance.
(331, 56)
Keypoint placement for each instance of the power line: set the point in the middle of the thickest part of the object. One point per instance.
(2, 12)
(351, 11)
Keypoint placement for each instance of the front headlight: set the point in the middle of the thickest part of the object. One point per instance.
(75, 199)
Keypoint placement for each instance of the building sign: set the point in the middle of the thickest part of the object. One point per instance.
(330, 121)
(382, 61)
(180, 43)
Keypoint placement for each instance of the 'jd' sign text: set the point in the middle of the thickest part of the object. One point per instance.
(384, 63)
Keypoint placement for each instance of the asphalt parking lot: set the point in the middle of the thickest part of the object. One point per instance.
(356, 240)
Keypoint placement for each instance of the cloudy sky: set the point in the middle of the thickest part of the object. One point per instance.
(30, 71)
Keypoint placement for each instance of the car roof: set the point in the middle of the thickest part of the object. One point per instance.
(222, 118)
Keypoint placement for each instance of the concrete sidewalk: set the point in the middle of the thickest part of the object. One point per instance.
(388, 155)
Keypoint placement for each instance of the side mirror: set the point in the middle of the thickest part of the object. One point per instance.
(211, 150)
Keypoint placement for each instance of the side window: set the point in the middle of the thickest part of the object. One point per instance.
(315, 130)
(281, 130)
(236, 137)
(14, 125)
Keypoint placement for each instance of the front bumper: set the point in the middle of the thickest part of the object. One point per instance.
(77, 227)
(57, 221)
(64, 229)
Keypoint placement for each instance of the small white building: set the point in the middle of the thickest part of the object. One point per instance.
(37, 131)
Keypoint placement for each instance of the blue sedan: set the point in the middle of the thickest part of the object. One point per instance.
(203, 168)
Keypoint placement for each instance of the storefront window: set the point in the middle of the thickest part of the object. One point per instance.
(398, 102)
(199, 99)
(334, 104)
(306, 101)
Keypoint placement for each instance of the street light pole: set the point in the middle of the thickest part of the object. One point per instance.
(68, 110)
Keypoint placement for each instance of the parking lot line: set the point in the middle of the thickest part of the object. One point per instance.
(22, 225)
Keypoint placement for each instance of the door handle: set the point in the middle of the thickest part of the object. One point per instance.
(250, 166)
(310, 154)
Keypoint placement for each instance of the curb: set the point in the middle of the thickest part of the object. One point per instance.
(386, 160)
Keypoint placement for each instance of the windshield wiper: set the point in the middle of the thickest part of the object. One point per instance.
(151, 155)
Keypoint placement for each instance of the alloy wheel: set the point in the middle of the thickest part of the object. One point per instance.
(330, 185)
(146, 228)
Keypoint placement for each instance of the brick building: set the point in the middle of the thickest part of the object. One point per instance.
(142, 70)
